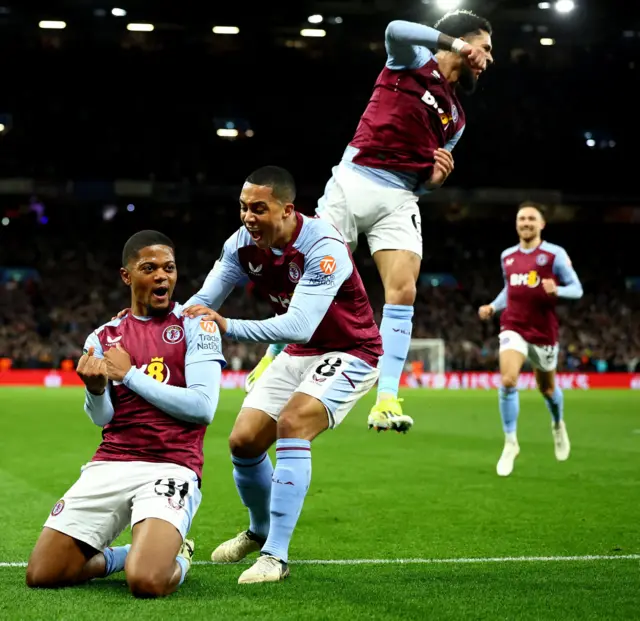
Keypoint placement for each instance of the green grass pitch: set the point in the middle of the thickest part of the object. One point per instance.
(430, 494)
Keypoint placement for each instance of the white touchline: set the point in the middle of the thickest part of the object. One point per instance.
(431, 561)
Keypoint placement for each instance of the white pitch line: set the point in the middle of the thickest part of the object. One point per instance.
(13, 564)
(433, 561)
(452, 561)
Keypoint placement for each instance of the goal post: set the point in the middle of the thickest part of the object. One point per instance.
(430, 352)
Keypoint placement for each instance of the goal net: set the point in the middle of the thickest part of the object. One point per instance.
(429, 352)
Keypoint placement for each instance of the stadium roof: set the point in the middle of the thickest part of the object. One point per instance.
(589, 20)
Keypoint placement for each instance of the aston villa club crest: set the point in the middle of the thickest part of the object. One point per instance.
(542, 259)
(454, 113)
(294, 272)
(173, 335)
(57, 508)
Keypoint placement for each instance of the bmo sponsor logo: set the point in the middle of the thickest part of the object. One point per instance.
(530, 279)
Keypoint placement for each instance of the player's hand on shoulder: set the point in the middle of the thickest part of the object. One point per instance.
(121, 314)
(550, 286)
(475, 57)
(486, 312)
(442, 167)
(206, 314)
(93, 372)
(118, 362)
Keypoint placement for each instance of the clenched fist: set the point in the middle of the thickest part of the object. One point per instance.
(486, 312)
(475, 57)
(550, 286)
(442, 168)
(118, 363)
(93, 372)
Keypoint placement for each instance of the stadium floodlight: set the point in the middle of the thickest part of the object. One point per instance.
(140, 27)
(1, 127)
(547, 41)
(565, 6)
(544, 5)
(448, 5)
(313, 32)
(118, 12)
(591, 143)
(5, 221)
(230, 30)
(227, 133)
(315, 19)
(47, 24)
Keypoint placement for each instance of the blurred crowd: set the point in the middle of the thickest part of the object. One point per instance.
(131, 116)
(44, 320)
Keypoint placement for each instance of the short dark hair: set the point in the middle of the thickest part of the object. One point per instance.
(278, 179)
(461, 22)
(143, 239)
(541, 208)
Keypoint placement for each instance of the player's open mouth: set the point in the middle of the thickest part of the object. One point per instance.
(255, 234)
(160, 294)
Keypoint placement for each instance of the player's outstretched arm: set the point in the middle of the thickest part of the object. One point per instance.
(326, 267)
(197, 402)
(93, 372)
(224, 276)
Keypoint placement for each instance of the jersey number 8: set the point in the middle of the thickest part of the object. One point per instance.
(329, 366)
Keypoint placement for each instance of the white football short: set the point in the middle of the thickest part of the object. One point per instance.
(542, 357)
(355, 204)
(111, 495)
(337, 380)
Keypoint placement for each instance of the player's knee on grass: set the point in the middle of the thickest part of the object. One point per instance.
(303, 417)
(151, 568)
(147, 582)
(57, 560)
(47, 575)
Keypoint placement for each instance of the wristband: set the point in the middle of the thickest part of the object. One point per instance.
(457, 45)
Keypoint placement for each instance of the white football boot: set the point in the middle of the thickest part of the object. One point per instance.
(561, 442)
(509, 453)
(266, 569)
(236, 549)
